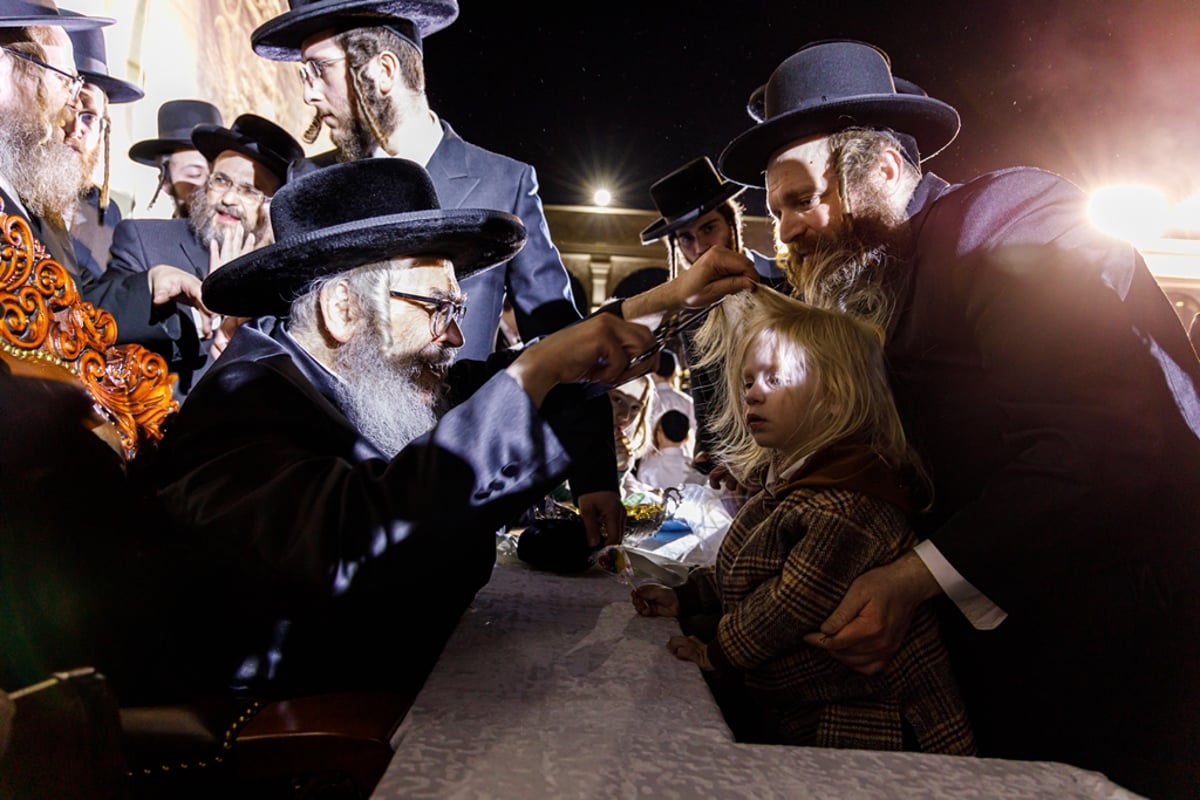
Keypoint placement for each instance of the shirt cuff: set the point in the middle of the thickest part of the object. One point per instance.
(980, 611)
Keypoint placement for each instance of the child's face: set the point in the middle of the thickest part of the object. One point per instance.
(625, 408)
(775, 396)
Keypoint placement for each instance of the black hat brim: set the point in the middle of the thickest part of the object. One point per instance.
(117, 90)
(264, 282)
(662, 226)
(212, 140)
(931, 122)
(279, 39)
(67, 23)
(148, 151)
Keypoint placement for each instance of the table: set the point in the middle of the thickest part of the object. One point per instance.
(553, 687)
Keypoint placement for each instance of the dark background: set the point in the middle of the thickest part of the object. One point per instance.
(622, 93)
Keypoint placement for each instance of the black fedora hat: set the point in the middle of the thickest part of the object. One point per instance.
(176, 118)
(755, 105)
(91, 60)
(685, 195)
(279, 39)
(22, 13)
(347, 215)
(828, 86)
(254, 137)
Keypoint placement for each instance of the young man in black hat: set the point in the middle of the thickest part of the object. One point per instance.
(88, 129)
(362, 71)
(338, 469)
(1055, 400)
(40, 175)
(700, 210)
(156, 266)
(181, 167)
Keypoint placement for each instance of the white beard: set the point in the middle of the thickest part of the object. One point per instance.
(381, 395)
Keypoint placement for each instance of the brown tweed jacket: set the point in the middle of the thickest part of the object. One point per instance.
(787, 560)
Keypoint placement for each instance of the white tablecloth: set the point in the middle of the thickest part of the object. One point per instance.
(553, 687)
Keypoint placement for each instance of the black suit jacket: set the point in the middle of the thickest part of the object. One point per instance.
(123, 291)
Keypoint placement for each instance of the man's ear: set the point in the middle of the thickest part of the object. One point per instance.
(891, 169)
(387, 72)
(339, 312)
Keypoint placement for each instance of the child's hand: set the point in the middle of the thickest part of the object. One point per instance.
(689, 648)
(655, 600)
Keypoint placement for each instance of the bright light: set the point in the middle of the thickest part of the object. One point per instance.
(1185, 216)
(602, 197)
(1129, 211)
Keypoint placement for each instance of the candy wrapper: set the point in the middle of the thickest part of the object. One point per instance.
(634, 566)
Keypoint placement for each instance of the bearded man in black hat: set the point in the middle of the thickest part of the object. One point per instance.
(1053, 395)
(362, 71)
(40, 175)
(181, 167)
(88, 131)
(341, 472)
(152, 284)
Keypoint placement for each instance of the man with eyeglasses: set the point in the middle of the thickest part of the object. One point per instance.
(152, 284)
(95, 214)
(338, 470)
(40, 175)
(361, 70)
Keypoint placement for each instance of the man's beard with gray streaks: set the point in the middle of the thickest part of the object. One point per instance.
(45, 172)
(847, 269)
(202, 219)
(381, 393)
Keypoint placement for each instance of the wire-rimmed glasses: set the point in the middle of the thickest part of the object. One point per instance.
(73, 83)
(442, 311)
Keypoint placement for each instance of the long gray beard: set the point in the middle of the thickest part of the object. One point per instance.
(849, 272)
(47, 174)
(381, 396)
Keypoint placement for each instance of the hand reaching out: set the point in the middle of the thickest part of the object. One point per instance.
(689, 648)
(655, 600)
(603, 516)
(168, 283)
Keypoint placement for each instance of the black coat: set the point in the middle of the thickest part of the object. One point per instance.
(1047, 383)
(334, 566)
(168, 329)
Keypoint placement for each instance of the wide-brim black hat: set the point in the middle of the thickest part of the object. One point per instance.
(348, 215)
(829, 86)
(279, 39)
(685, 195)
(91, 60)
(23, 13)
(176, 119)
(254, 137)
(756, 105)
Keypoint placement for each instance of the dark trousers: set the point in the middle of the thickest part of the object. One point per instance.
(1104, 674)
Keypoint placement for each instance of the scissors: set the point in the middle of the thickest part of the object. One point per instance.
(671, 326)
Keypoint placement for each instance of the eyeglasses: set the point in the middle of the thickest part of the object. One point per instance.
(222, 183)
(313, 70)
(90, 121)
(71, 83)
(443, 311)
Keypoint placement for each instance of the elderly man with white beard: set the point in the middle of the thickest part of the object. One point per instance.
(40, 175)
(337, 477)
